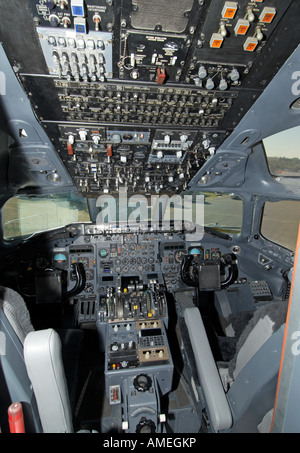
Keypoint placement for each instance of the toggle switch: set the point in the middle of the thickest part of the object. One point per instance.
(82, 135)
(223, 30)
(223, 85)
(96, 139)
(63, 4)
(167, 139)
(258, 34)
(71, 139)
(202, 72)
(97, 21)
(66, 21)
(209, 84)
(153, 58)
(234, 75)
(250, 14)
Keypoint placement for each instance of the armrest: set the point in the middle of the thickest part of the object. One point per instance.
(43, 359)
(217, 404)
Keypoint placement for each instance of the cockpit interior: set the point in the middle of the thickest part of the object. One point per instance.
(149, 211)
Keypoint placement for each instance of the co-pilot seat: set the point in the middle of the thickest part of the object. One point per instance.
(240, 394)
(32, 358)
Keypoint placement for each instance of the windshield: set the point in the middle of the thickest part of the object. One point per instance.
(220, 211)
(24, 215)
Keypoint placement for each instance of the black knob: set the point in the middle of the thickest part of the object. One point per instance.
(142, 382)
(145, 426)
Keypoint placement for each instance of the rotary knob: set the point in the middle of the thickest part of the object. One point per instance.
(145, 426)
(54, 20)
(142, 382)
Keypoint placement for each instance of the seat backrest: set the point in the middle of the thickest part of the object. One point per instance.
(265, 321)
(252, 393)
(252, 386)
(252, 373)
(43, 359)
(16, 312)
(15, 385)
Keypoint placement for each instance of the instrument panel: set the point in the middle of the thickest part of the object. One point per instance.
(128, 271)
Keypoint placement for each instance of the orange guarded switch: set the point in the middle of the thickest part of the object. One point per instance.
(250, 44)
(267, 15)
(160, 75)
(216, 40)
(229, 10)
(241, 27)
(70, 149)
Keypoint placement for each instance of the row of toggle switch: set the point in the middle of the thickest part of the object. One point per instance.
(80, 67)
(76, 57)
(79, 43)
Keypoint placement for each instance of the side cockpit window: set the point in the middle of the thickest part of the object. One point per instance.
(24, 215)
(283, 154)
(280, 222)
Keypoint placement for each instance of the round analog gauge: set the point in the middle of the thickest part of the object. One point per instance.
(178, 255)
(89, 274)
(215, 254)
(197, 251)
(85, 261)
(89, 288)
(60, 260)
(41, 262)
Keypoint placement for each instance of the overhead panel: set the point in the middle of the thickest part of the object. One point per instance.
(137, 94)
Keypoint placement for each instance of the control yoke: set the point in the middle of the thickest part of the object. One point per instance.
(209, 275)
